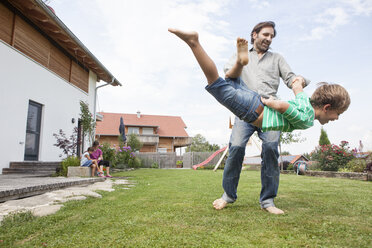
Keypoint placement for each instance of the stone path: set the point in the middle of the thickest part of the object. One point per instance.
(20, 186)
(50, 202)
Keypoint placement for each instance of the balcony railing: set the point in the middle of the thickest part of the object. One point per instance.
(182, 141)
(149, 139)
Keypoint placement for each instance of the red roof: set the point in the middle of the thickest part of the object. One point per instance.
(168, 126)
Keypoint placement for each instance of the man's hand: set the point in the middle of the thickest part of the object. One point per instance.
(299, 79)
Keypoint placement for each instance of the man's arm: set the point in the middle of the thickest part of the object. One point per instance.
(288, 75)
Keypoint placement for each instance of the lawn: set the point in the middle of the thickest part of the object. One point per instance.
(173, 208)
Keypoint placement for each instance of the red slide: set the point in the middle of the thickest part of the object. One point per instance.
(209, 159)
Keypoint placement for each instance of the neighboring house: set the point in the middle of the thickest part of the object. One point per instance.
(286, 158)
(157, 133)
(45, 73)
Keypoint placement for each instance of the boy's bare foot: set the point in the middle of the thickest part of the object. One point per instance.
(274, 210)
(191, 38)
(242, 48)
(219, 203)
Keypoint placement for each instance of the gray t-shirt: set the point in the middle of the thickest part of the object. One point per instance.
(263, 75)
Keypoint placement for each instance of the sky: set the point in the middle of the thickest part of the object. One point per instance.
(320, 40)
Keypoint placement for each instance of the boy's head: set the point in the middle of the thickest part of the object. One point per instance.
(329, 101)
(90, 149)
(95, 143)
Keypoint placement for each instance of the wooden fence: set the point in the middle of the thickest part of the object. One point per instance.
(193, 158)
(163, 160)
(169, 160)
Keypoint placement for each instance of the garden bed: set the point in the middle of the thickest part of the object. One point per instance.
(351, 175)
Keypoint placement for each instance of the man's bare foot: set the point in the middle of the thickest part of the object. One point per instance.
(274, 210)
(242, 48)
(191, 38)
(219, 203)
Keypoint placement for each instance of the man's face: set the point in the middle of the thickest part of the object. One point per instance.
(263, 39)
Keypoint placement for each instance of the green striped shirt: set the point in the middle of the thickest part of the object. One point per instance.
(299, 115)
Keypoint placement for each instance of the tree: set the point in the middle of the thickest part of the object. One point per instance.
(134, 143)
(288, 138)
(87, 121)
(200, 144)
(323, 140)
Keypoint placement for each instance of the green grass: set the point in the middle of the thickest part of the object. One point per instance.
(173, 208)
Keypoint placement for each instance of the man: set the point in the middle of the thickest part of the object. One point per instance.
(262, 74)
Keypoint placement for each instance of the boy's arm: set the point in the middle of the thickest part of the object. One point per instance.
(278, 105)
(298, 85)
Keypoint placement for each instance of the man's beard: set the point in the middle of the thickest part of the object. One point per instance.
(262, 46)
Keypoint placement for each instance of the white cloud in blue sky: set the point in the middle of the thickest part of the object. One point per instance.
(322, 40)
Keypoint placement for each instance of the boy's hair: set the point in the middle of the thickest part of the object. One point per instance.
(333, 94)
(90, 149)
(260, 26)
(95, 143)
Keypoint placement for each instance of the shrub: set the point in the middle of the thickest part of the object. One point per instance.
(66, 144)
(135, 163)
(69, 161)
(134, 142)
(108, 153)
(332, 157)
(290, 166)
(155, 165)
(355, 165)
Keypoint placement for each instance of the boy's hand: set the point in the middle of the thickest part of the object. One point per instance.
(299, 80)
(267, 101)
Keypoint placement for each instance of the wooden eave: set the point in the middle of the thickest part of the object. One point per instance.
(41, 16)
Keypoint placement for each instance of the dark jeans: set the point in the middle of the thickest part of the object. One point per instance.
(240, 135)
(104, 163)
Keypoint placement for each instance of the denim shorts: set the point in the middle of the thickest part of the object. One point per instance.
(236, 97)
(87, 163)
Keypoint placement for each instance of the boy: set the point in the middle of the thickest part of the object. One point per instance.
(86, 161)
(326, 104)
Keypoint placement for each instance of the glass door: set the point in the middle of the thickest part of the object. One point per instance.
(33, 131)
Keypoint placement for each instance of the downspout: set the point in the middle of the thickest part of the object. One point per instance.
(95, 101)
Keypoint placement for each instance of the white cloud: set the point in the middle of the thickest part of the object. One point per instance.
(259, 4)
(329, 21)
(159, 73)
(360, 7)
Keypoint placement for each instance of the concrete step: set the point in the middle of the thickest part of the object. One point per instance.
(33, 171)
(34, 164)
(23, 166)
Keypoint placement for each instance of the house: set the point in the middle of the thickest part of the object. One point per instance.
(45, 73)
(158, 133)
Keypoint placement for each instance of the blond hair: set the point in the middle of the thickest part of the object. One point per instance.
(333, 94)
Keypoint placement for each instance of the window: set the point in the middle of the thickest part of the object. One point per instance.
(162, 150)
(147, 130)
(134, 130)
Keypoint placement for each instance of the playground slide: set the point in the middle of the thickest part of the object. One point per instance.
(209, 159)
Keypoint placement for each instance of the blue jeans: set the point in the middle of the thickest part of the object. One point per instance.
(240, 135)
(236, 97)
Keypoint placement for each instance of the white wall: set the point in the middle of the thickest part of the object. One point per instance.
(22, 79)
